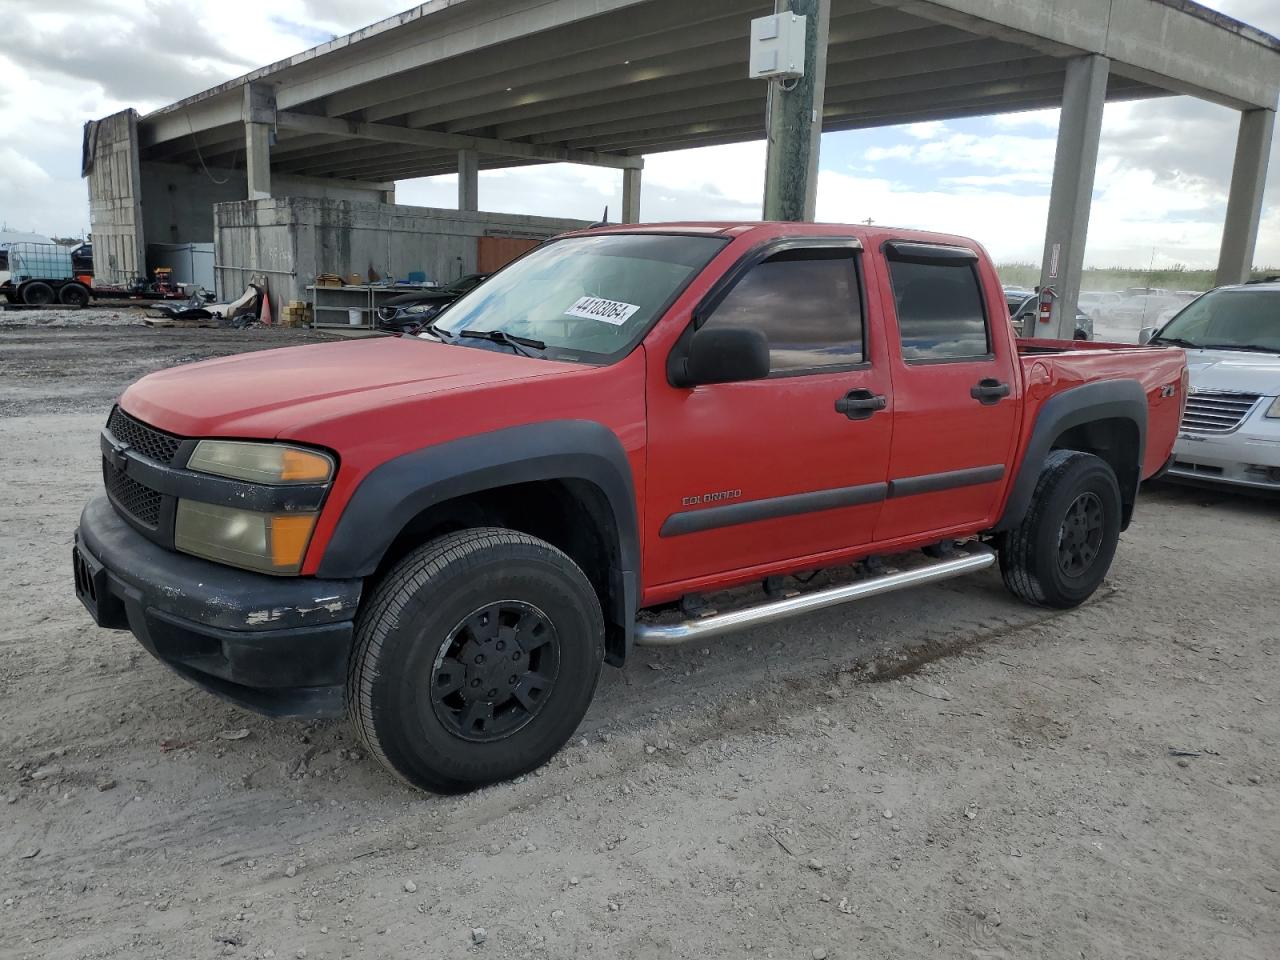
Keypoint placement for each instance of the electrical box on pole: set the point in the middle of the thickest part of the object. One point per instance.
(777, 47)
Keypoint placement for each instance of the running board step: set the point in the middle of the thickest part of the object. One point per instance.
(968, 558)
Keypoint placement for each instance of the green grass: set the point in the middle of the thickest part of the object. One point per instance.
(1117, 278)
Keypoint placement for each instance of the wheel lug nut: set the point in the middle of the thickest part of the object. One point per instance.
(475, 683)
(516, 655)
(501, 645)
(479, 658)
(513, 679)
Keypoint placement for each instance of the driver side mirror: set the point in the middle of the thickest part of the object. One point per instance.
(724, 355)
(1145, 335)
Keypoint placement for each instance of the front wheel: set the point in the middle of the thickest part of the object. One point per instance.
(1059, 553)
(475, 659)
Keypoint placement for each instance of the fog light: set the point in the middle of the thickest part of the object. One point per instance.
(267, 542)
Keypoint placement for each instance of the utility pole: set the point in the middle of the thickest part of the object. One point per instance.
(794, 121)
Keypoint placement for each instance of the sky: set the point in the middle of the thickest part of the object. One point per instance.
(1160, 192)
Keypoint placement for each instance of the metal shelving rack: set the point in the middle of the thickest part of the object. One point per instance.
(364, 297)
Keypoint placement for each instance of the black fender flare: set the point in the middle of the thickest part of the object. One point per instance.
(1101, 400)
(401, 488)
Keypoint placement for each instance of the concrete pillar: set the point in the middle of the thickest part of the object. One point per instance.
(259, 124)
(795, 122)
(631, 194)
(1071, 196)
(1244, 204)
(468, 180)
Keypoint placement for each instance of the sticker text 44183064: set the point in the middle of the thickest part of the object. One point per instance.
(597, 308)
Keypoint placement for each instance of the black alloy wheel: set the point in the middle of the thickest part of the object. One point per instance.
(1059, 552)
(494, 671)
(474, 659)
(1080, 536)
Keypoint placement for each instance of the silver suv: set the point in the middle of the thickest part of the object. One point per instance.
(1231, 427)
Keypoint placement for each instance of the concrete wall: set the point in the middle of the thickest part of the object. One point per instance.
(115, 196)
(292, 239)
(178, 201)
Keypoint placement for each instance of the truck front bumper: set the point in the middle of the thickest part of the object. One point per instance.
(277, 645)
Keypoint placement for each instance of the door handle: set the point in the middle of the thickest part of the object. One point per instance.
(860, 404)
(989, 391)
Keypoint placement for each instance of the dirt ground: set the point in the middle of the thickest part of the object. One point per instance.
(940, 773)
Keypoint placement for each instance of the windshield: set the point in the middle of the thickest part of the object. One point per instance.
(1229, 319)
(585, 298)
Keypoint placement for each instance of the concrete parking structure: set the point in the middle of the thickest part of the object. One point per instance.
(465, 85)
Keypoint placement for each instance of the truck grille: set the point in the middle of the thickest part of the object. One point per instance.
(131, 497)
(1217, 411)
(148, 441)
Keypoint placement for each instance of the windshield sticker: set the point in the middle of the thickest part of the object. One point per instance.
(597, 308)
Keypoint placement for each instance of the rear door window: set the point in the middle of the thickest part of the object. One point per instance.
(808, 304)
(941, 314)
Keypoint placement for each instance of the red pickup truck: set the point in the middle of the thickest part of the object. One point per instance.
(445, 536)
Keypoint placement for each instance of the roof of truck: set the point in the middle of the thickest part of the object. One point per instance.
(872, 235)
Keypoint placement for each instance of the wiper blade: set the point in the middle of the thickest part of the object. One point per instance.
(507, 339)
(437, 331)
(1248, 347)
(1177, 342)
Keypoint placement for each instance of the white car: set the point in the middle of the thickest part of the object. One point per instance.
(1098, 303)
(1230, 429)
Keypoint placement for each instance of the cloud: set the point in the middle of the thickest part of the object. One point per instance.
(925, 131)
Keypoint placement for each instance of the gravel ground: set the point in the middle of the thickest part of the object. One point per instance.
(938, 773)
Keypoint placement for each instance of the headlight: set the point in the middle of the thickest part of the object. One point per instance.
(1273, 411)
(273, 463)
(269, 542)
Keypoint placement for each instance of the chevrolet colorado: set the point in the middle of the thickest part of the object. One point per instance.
(446, 536)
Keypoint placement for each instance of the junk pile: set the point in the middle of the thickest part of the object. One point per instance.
(251, 308)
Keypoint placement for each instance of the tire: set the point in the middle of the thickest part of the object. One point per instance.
(483, 592)
(1060, 552)
(37, 294)
(73, 295)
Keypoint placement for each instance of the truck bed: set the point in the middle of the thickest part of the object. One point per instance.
(1050, 366)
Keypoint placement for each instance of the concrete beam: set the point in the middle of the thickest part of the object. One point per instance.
(1184, 48)
(432, 139)
(666, 29)
(468, 180)
(714, 121)
(259, 119)
(1071, 195)
(631, 195)
(679, 67)
(718, 102)
(359, 159)
(716, 66)
(476, 27)
(870, 62)
(1244, 202)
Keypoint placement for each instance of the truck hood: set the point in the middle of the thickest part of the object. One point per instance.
(272, 392)
(1241, 371)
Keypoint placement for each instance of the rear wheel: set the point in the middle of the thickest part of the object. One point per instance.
(1060, 552)
(73, 295)
(475, 659)
(37, 294)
